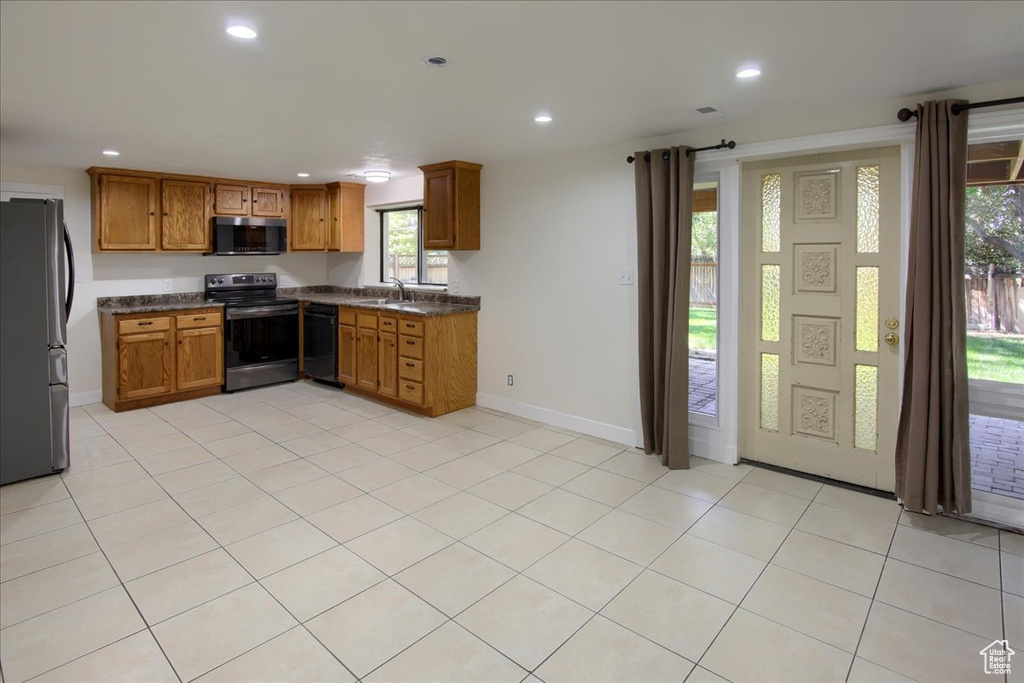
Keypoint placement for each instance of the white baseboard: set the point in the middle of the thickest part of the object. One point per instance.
(85, 398)
(712, 450)
(579, 424)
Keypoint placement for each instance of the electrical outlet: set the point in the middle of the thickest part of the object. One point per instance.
(511, 380)
(453, 286)
(626, 276)
(168, 285)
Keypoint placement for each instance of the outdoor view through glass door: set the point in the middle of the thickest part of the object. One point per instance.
(820, 320)
(994, 270)
(704, 300)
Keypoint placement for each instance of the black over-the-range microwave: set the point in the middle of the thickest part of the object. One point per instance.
(239, 236)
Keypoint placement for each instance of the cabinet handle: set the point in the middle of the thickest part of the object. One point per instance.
(410, 342)
(409, 365)
(197, 319)
(145, 324)
(152, 213)
(409, 325)
(410, 387)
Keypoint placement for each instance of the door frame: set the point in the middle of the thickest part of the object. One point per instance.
(719, 442)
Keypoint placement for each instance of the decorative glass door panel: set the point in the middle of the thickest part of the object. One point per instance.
(820, 346)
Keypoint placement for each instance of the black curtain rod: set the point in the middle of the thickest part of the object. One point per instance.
(665, 155)
(907, 114)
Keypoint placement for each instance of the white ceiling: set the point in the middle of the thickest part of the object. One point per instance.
(333, 88)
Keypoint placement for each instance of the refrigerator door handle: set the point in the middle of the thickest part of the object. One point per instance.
(71, 272)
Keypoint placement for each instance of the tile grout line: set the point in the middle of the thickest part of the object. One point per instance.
(131, 598)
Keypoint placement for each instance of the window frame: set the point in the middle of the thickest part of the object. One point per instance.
(421, 262)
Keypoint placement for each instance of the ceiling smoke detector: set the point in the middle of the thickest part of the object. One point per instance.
(435, 61)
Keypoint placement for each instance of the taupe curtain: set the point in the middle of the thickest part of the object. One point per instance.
(933, 459)
(664, 220)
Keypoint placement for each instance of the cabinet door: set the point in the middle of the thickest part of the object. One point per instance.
(439, 209)
(231, 200)
(184, 225)
(366, 359)
(388, 364)
(347, 354)
(346, 223)
(307, 229)
(268, 202)
(144, 365)
(200, 357)
(127, 214)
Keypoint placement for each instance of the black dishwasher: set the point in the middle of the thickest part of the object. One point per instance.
(320, 345)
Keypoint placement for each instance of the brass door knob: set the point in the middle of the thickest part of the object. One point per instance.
(892, 339)
(892, 323)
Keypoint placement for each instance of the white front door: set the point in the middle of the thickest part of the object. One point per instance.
(820, 294)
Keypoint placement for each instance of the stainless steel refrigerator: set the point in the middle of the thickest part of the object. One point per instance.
(36, 289)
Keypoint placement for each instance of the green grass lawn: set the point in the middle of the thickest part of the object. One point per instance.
(998, 357)
(994, 356)
(703, 323)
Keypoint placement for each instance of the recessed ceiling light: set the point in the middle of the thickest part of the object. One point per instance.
(749, 72)
(377, 176)
(302, 175)
(111, 152)
(543, 118)
(435, 61)
(243, 32)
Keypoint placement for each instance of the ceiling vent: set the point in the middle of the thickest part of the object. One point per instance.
(706, 110)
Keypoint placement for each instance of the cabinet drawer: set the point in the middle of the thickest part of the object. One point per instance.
(368, 320)
(410, 368)
(143, 325)
(411, 391)
(388, 325)
(346, 317)
(410, 347)
(413, 328)
(186, 322)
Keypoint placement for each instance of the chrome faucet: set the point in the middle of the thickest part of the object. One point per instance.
(401, 288)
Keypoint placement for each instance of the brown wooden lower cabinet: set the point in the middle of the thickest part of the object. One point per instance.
(427, 365)
(153, 358)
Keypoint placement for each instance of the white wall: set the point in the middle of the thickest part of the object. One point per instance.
(127, 274)
(554, 232)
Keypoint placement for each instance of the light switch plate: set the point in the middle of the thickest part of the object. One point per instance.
(168, 285)
(626, 276)
(453, 286)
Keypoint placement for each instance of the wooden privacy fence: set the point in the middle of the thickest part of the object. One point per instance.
(403, 266)
(995, 302)
(704, 284)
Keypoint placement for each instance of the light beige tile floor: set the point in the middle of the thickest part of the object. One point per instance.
(299, 533)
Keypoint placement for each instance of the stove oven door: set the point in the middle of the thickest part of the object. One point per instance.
(259, 335)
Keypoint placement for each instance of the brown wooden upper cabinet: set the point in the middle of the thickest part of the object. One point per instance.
(185, 215)
(346, 223)
(451, 205)
(231, 200)
(307, 227)
(246, 200)
(268, 202)
(125, 212)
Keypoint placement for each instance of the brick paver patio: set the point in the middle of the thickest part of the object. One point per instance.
(997, 456)
(703, 385)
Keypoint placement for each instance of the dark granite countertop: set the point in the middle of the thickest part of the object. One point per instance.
(427, 304)
(153, 303)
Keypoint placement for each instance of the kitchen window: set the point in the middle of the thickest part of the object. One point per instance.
(402, 253)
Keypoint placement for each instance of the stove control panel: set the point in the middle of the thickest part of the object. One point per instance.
(241, 281)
